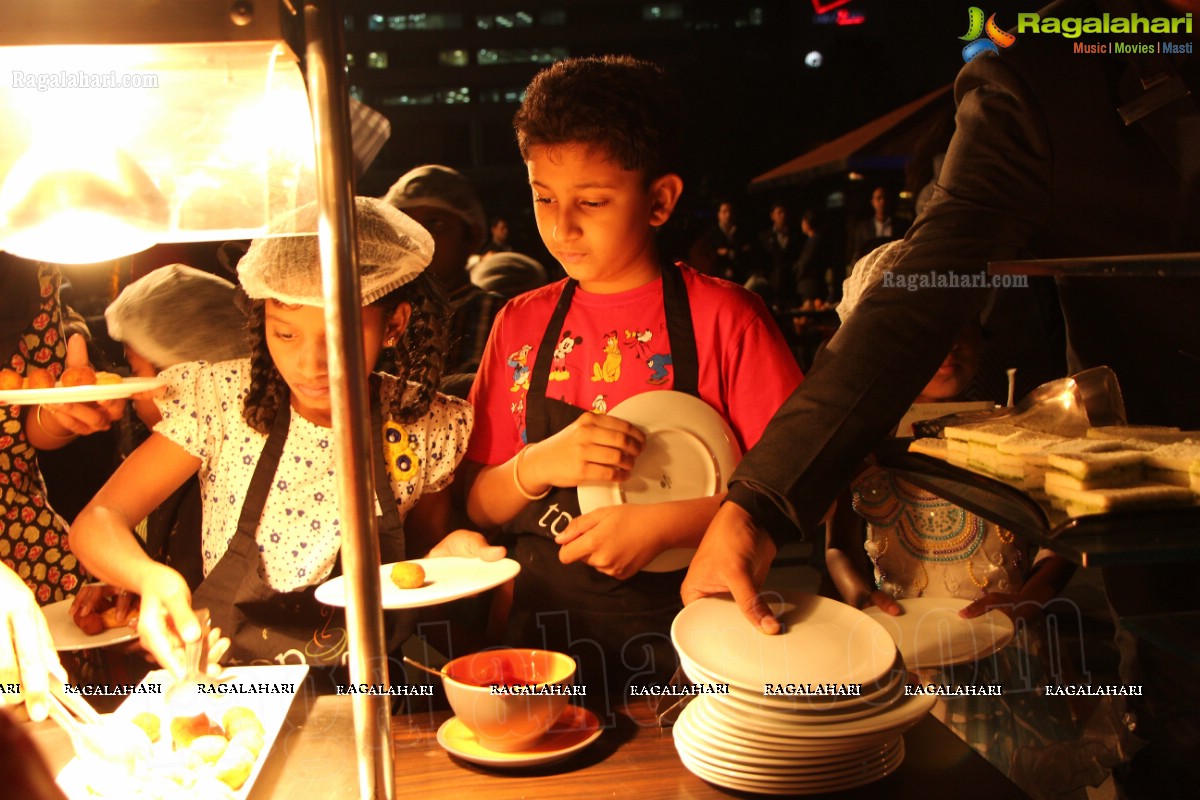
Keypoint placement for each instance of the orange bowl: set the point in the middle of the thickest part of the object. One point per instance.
(509, 698)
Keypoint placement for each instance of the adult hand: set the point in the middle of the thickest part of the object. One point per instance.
(616, 540)
(733, 558)
(595, 447)
(468, 544)
(167, 621)
(27, 655)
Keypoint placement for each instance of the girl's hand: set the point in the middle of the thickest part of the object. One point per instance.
(167, 621)
(468, 544)
(1013, 606)
(594, 447)
(853, 588)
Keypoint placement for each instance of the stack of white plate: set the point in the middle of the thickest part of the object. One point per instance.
(794, 743)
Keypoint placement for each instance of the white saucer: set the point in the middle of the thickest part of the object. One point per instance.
(68, 636)
(823, 641)
(930, 633)
(80, 394)
(574, 730)
(750, 783)
(690, 452)
(446, 579)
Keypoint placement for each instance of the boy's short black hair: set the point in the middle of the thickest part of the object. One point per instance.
(625, 107)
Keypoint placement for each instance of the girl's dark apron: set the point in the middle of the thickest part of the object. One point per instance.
(619, 630)
(269, 626)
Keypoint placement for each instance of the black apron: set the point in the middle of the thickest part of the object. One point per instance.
(269, 626)
(618, 630)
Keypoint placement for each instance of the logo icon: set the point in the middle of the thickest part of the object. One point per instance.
(976, 28)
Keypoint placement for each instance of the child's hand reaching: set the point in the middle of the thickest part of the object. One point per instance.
(595, 447)
(853, 588)
(469, 544)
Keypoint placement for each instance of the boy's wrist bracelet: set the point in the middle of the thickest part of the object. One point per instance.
(70, 434)
(517, 478)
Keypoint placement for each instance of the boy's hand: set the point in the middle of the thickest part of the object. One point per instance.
(616, 540)
(594, 447)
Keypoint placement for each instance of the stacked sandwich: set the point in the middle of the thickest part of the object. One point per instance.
(1111, 468)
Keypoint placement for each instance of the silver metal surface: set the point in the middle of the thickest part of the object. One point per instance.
(136, 22)
(325, 57)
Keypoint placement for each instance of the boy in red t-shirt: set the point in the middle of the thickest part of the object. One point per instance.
(597, 136)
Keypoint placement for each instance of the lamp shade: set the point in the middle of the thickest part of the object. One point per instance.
(109, 149)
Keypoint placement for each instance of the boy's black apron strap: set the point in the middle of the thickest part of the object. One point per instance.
(537, 421)
(685, 362)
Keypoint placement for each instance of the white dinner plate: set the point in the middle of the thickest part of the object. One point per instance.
(67, 635)
(702, 737)
(80, 394)
(271, 708)
(690, 452)
(814, 707)
(573, 731)
(930, 633)
(798, 786)
(894, 719)
(822, 641)
(446, 579)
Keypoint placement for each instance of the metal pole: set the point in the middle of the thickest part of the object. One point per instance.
(325, 59)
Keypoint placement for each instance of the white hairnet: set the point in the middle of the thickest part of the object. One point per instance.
(392, 251)
(865, 273)
(441, 187)
(507, 273)
(179, 313)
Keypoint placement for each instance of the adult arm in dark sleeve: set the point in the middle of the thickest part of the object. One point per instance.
(992, 198)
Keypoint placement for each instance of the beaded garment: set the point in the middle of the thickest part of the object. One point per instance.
(924, 546)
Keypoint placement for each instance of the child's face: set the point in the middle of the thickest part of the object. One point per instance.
(596, 218)
(957, 369)
(296, 342)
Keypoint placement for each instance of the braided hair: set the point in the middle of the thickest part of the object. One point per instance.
(420, 355)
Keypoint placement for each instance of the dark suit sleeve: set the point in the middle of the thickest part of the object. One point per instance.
(992, 198)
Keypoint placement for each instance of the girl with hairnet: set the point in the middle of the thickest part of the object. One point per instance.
(258, 431)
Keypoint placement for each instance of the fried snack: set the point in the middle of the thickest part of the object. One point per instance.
(208, 788)
(235, 766)
(407, 575)
(185, 730)
(240, 719)
(252, 740)
(78, 376)
(106, 378)
(114, 620)
(92, 624)
(38, 378)
(10, 379)
(150, 723)
(205, 750)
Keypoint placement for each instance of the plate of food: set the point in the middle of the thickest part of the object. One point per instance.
(930, 633)
(215, 751)
(428, 581)
(77, 385)
(101, 628)
(690, 452)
